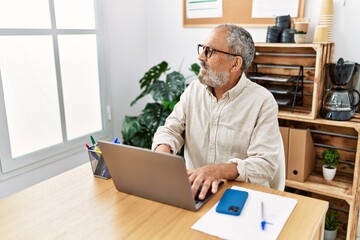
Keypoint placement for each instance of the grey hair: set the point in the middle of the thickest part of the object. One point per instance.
(240, 42)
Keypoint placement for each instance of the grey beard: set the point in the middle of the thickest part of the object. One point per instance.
(214, 79)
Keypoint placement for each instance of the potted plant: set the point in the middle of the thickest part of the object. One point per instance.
(330, 158)
(299, 36)
(331, 225)
(139, 130)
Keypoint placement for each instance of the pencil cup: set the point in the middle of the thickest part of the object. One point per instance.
(97, 162)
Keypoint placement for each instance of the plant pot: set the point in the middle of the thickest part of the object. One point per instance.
(299, 38)
(301, 26)
(328, 172)
(330, 234)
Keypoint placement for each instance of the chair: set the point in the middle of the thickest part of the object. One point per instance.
(278, 182)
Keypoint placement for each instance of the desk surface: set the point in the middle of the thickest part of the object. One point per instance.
(75, 205)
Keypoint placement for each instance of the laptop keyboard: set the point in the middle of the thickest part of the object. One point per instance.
(208, 194)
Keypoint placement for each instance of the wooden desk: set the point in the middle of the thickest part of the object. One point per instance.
(75, 205)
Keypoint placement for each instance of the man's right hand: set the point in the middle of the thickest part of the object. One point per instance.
(163, 148)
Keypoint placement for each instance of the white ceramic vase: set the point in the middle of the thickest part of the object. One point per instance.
(328, 172)
(330, 235)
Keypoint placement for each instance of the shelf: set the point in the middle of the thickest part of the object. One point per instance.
(284, 101)
(272, 77)
(353, 123)
(288, 45)
(343, 189)
(278, 89)
(317, 184)
(287, 89)
(277, 62)
(284, 59)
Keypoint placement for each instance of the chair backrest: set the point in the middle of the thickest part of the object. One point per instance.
(278, 182)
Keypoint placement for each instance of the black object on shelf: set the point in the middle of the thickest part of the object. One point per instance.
(287, 89)
(283, 22)
(287, 35)
(280, 89)
(284, 101)
(273, 34)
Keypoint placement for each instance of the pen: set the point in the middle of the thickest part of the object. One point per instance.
(263, 222)
(92, 140)
(262, 216)
(96, 150)
(88, 147)
(94, 147)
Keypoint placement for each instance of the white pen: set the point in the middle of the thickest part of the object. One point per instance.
(263, 222)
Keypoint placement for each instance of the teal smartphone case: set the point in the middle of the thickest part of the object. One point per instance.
(232, 202)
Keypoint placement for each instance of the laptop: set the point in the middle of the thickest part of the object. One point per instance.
(156, 176)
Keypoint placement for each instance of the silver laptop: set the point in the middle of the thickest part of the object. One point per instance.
(157, 176)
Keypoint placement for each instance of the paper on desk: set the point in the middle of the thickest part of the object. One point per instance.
(277, 210)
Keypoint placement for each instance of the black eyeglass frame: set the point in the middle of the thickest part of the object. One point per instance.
(209, 50)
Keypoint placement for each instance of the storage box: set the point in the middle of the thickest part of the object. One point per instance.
(97, 162)
(301, 155)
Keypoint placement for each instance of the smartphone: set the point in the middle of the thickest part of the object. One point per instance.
(232, 202)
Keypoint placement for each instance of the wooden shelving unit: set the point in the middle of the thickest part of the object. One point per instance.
(285, 59)
(343, 136)
(342, 192)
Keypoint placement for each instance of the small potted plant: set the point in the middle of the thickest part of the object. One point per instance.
(331, 225)
(330, 158)
(299, 36)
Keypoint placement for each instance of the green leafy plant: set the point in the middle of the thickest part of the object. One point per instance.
(331, 220)
(331, 157)
(139, 130)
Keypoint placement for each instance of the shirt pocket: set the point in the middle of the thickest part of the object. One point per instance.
(233, 143)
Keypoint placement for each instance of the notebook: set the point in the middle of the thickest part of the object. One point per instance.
(156, 176)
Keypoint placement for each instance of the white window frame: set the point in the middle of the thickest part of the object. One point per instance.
(12, 166)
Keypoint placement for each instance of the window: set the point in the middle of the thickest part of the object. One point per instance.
(50, 98)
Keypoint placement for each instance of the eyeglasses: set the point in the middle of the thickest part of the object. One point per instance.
(209, 50)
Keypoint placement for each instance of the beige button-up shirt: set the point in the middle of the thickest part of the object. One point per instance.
(242, 127)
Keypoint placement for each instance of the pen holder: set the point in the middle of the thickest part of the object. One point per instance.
(97, 162)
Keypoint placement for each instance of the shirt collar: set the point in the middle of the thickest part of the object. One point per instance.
(235, 91)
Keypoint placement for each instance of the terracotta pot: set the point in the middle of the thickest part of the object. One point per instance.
(301, 26)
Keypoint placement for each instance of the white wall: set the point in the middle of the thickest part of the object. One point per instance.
(169, 40)
(124, 24)
(139, 34)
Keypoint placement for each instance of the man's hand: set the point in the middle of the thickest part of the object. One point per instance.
(163, 148)
(210, 176)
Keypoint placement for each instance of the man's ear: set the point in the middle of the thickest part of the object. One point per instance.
(237, 64)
